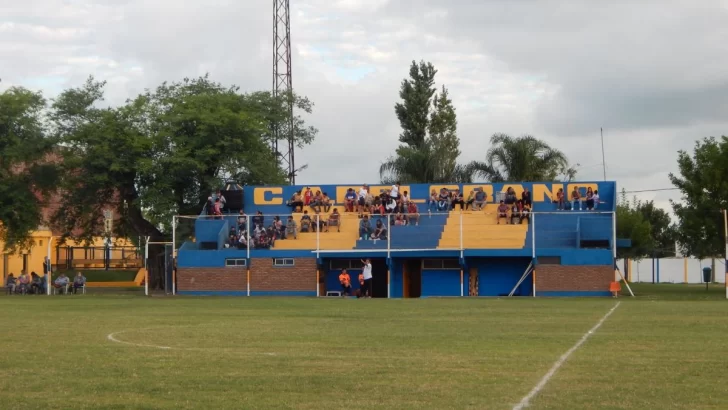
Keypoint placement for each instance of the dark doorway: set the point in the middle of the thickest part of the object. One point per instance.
(379, 278)
(412, 278)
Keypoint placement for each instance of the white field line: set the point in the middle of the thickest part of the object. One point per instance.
(113, 337)
(527, 399)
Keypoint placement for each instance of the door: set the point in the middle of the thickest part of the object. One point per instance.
(413, 278)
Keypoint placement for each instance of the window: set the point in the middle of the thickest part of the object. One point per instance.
(235, 262)
(281, 262)
(40, 243)
(440, 264)
(339, 264)
(549, 260)
(25, 262)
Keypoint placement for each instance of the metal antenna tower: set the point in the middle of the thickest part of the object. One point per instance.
(283, 85)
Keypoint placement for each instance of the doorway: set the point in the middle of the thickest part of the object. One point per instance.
(379, 278)
(412, 278)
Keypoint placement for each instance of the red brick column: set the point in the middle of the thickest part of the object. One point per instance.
(220, 279)
(266, 277)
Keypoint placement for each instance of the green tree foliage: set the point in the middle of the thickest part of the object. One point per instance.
(429, 143)
(703, 182)
(631, 224)
(163, 152)
(522, 159)
(662, 231)
(24, 174)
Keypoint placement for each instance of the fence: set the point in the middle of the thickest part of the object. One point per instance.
(672, 270)
(483, 228)
(95, 257)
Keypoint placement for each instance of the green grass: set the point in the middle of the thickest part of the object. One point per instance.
(664, 349)
(102, 275)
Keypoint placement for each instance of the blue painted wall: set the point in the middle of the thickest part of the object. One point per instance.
(498, 276)
(436, 282)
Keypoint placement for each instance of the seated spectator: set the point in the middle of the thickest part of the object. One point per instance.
(279, 228)
(258, 220)
(62, 283)
(596, 199)
(377, 207)
(457, 199)
(210, 206)
(263, 241)
(365, 228)
(526, 197)
(480, 198)
(510, 196)
(502, 212)
(399, 220)
(291, 228)
(413, 214)
(575, 199)
(272, 233)
(23, 283)
(232, 241)
(345, 281)
(390, 204)
(326, 202)
(334, 220)
(317, 201)
(350, 200)
(515, 214)
(306, 224)
(78, 282)
(380, 231)
(243, 241)
(443, 201)
(471, 199)
(589, 199)
(36, 284)
(258, 231)
(560, 200)
(432, 202)
(296, 201)
(526, 214)
(10, 284)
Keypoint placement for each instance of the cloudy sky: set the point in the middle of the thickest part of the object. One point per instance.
(652, 73)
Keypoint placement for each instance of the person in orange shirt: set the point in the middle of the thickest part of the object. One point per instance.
(345, 281)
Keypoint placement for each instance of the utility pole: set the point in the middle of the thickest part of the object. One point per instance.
(283, 86)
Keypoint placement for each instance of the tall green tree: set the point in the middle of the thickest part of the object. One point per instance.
(632, 225)
(523, 158)
(163, 152)
(703, 182)
(662, 231)
(25, 175)
(429, 143)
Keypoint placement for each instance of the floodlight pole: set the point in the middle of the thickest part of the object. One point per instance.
(614, 252)
(50, 267)
(533, 253)
(725, 227)
(146, 266)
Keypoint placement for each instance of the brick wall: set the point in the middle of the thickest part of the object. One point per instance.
(573, 278)
(233, 278)
(300, 277)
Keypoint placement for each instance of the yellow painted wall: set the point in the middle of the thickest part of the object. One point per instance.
(13, 263)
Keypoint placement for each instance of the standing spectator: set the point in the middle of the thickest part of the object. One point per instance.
(510, 196)
(596, 199)
(10, 284)
(61, 283)
(367, 274)
(210, 206)
(242, 222)
(345, 281)
(394, 192)
(526, 197)
(480, 198)
(361, 204)
(405, 199)
(218, 208)
(307, 196)
(258, 220)
(221, 198)
(291, 228)
(78, 282)
(575, 198)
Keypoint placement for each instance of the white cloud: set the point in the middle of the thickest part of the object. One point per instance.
(651, 73)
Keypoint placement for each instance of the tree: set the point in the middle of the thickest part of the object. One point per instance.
(429, 143)
(662, 230)
(163, 153)
(632, 225)
(24, 175)
(522, 159)
(703, 182)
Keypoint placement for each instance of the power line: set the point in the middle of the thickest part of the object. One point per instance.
(651, 190)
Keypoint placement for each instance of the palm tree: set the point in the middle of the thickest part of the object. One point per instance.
(422, 165)
(524, 158)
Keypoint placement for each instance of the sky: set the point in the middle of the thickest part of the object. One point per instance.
(652, 74)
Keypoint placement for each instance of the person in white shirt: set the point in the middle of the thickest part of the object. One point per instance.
(367, 272)
(363, 191)
(596, 199)
(394, 193)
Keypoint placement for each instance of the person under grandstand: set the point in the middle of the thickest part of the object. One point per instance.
(345, 281)
(366, 275)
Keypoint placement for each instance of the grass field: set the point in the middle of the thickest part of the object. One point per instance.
(662, 350)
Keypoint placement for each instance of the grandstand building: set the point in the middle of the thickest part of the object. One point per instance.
(566, 252)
